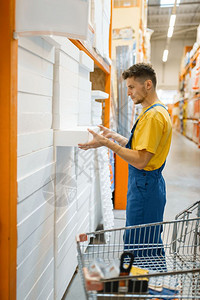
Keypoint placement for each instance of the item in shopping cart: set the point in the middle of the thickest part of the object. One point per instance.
(111, 271)
(97, 267)
(139, 271)
(103, 270)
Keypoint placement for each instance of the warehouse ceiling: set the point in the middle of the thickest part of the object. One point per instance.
(187, 19)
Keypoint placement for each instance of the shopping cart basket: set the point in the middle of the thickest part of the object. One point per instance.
(171, 267)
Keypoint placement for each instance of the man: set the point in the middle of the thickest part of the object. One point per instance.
(145, 152)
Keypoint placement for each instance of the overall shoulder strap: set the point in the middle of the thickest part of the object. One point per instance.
(156, 104)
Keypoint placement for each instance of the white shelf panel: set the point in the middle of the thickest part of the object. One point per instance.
(99, 94)
(73, 136)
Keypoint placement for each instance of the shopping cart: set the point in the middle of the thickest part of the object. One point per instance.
(171, 267)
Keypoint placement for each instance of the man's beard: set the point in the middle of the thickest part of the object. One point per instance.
(139, 101)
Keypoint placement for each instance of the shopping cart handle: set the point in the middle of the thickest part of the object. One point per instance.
(126, 270)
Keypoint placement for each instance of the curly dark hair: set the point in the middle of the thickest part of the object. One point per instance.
(141, 71)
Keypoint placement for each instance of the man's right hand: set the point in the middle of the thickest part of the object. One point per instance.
(109, 134)
(106, 132)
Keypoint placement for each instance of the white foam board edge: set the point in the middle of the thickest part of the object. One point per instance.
(74, 136)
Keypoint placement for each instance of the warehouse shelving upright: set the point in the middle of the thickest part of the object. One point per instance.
(8, 174)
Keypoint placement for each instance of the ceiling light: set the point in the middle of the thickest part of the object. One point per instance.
(165, 55)
(172, 20)
(169, 3)
(170, 32)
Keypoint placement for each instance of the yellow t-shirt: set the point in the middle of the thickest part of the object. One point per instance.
(153, 133)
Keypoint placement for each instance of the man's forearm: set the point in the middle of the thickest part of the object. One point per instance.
(132, 157)
(120, 139)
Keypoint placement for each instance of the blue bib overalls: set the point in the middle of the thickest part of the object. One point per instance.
(146, 198)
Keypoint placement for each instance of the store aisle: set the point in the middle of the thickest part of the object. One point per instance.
(182, 176)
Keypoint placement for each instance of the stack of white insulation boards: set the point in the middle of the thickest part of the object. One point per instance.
(35, 170)
(60, 189)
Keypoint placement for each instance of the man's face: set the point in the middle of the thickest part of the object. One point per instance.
(136, 90)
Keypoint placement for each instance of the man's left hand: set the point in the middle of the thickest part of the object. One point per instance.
(98, 141)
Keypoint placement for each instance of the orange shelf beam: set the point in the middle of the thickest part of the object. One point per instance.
(98, 60)
(8, 155)
(108, 78)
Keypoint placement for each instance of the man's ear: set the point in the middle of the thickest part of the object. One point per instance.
(148, 84)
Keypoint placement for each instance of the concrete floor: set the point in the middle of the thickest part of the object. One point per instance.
(182, 176)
